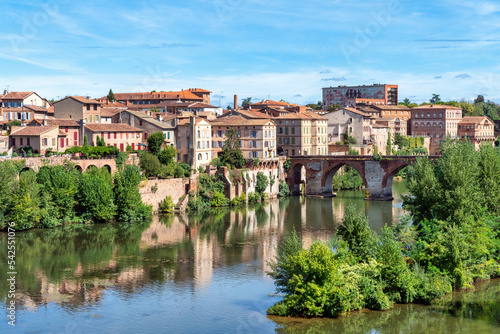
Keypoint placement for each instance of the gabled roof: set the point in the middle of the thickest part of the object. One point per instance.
(35, 108)
(53, 121)
(98, 127)
(239, 120)
(17, 95)
(390, 107)
(110, 111)
(33, 130)
(183, 94)
(80, 99)
(355, 111)
(248, 113)
(476, 119)
(149, 119)
(273, 103)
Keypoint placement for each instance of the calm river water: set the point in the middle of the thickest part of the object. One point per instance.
(204, 273)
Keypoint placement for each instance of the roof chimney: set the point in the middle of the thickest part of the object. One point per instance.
(44, 122)
(235, 102)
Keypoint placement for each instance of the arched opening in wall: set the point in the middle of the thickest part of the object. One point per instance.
(78, 168)
(25, 169)
(90, 167)
(343, 177)
(298, 180)
(108, 167)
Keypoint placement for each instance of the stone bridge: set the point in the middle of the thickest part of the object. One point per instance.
(316, 173)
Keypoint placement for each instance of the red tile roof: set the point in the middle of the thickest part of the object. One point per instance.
(475, 119)
(110, 111)
(248, 113)
(33, 130)
(50, 122)
(114, 127)
(239, 120)
(183, 95)
(201, 90)
(16, 95)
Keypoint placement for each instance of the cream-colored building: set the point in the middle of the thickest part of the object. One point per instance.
(194, 137)
(478, 130)
(40, 138)
(257, 136)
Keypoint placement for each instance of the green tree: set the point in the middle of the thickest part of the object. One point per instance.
(95, 195)
(262, 183)
(435, 99)
(388, 147)
(167, 155)
(85, 141)
(406, 101)
(479, 99)
(467, 108)
(8, 185)
(155, 142)
(26, 212)
(231, 153)
(356, 231)
(111, 96)
(246, 102)
(129, 205)
(149, 164)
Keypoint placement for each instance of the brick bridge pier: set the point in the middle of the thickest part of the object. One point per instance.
(316, 173)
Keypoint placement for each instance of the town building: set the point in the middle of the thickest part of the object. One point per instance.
(40, 138)
(72, 129)
(349, 121)
(352, 96)
(118, 135)
(78, 108)
(402, 112)
(22, 106)
(435, 122)
(146, 123)
(194, 137)
(478, 130)
(395, 125)
(379, 135)
(257, 136)
(154, 99)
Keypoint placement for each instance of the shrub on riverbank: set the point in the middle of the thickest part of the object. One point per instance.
(60, 194)
(453, 242)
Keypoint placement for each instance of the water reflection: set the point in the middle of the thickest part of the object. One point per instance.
(204, 272)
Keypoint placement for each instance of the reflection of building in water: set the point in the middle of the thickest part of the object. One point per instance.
(159, 234)
(203, 261)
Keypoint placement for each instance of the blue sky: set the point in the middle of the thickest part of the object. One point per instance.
(263, 49)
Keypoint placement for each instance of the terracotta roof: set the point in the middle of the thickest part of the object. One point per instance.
(239, 120)
(33, 130)
(201, 105)
(273, 103)
(391, 107)
(248, 113)
(378, 125)
(110, 111)
(16, 95)
(186, 121)
(51, 122)
(436, 106)
(355, 111)
(183, 94)
(98, 127)
(475, 119)
(390, 119)
(35, 108)
(201, 90)
(367, 109)
(81, 99)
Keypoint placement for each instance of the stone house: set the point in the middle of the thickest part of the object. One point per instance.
(40, 138)
(78, 108)
(118, 135)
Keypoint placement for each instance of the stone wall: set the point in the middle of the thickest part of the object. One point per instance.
(173, 187)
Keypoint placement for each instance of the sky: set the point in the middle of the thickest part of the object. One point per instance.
(253, 48)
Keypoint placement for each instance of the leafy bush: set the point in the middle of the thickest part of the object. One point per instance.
(284, 189)
(120, 159)
(149, 164)
(95, 195)
(167, 205)
(218, 199)
(167, 155)
(155, 141)
(262, 183)
(287, 164)
(129, 205)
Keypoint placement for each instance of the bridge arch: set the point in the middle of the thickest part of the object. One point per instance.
(333, 168)
(299, 177)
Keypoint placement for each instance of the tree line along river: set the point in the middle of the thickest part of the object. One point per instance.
(205, 273)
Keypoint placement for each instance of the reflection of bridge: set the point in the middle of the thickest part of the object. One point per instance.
(316, 173)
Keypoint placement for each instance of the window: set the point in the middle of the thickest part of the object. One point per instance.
(239, 133)
(66, 129)
(109, 135)
(178, 144)
(199, 156)
(140, 122)
(293, 140)
(88, 106)
(28, 141)
(95, 106)
(286, 131)
(45, 141)
(115, 135)
(293, 131)
(96, 118)
(21, 140)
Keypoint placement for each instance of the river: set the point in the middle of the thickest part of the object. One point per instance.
(204, 273)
